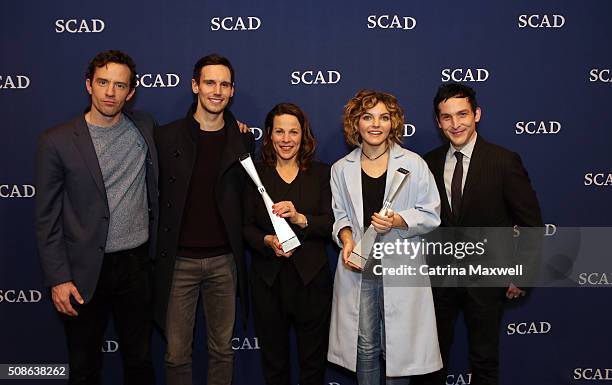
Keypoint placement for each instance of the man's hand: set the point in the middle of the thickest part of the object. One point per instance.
(514, 292)
(61, 298)
(243, 127)
(272, 242)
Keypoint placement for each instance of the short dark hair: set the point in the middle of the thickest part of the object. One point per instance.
(454, 90)
(112, 56)
(308, 143)
(212, 59)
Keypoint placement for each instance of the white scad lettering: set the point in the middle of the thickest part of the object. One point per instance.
(157, 80)
(598, 179)
(245, 344)
(230, 23)
(523, 328)
(315, 77)
(595, 278)
(391, 22)
(537, 127)
(541, 21)
(20, 296)
(459, 379)
(550, 230)
(257, 132)
(14, 82)
(79, 25)
(464, 75)
(409, 129)
(17, 191)
(600, 75)
(110, 346)
(594, 374)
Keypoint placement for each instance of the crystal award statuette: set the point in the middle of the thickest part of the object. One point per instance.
(284, 233)
(362, 249)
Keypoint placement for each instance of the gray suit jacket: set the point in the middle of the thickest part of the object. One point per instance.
(72, 213)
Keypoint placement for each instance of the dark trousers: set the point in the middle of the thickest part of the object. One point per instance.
(289, 303)
(123, 290)
(483, 308)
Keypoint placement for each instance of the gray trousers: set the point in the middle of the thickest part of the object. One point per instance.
(214, 279)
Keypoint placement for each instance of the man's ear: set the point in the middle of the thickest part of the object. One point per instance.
(477, 115)
(88, 86)
(130, 94)
(194, 86)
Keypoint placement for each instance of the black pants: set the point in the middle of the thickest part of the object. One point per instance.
(289, 303)
(483, 308)
(123, 290)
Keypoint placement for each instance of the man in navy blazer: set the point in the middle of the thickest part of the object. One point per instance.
(96, 221)
(484, 186)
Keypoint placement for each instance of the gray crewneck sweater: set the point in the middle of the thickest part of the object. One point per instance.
(121, 152)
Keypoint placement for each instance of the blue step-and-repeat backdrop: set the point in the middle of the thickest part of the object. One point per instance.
(542, 70)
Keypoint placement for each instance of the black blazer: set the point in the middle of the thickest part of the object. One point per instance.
(72, 213)
(177, 146)
(497, 189)
(314, 190)
(497, 194)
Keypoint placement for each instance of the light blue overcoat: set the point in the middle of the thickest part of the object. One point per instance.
(410, 324)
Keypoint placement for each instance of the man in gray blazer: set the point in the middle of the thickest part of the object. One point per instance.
(96, 221)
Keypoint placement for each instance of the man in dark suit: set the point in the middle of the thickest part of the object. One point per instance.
(96, 210)
(200, 249)
(481, 185)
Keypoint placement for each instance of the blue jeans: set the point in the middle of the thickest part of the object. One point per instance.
(370, 342)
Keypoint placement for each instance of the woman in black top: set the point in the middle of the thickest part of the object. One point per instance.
(291, 288)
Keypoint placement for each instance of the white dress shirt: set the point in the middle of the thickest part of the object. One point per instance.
(451, 161)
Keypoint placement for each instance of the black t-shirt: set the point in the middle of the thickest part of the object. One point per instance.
(373, 194)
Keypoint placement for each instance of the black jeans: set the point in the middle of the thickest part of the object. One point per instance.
(123, 290)
(483, 309)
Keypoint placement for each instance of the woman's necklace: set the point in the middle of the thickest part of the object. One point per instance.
(376, 157)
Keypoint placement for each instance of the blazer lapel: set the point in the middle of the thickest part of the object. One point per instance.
(438, 173)
(84, 144)
(392, 165)
(234, 145)
(352, 180)
(185, 152)
(148, 138)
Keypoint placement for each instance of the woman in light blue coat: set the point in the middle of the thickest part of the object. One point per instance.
(375, 315)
